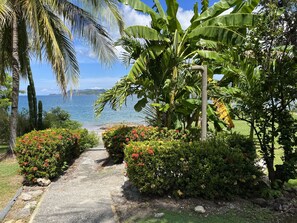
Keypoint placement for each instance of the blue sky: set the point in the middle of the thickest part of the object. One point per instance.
(92, 73)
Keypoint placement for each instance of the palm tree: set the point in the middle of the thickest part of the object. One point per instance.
(42, 21)
(168, 51)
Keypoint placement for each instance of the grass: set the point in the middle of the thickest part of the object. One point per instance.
(10, 180)
(248, 215)
(3, 149)
(243, 128)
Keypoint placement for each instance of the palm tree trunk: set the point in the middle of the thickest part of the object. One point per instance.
(15, 84)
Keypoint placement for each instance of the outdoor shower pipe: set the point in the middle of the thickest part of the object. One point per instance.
(204, 99)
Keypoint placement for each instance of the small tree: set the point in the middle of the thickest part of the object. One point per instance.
(268, 90)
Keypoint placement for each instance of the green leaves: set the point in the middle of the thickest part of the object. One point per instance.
(238, 20)
(5, 12)
(216, 10)
(173, 23)
(219, 34)
(140, 6)
(140, 104)
(144, 32)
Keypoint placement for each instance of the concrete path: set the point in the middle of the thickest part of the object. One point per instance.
(83, 194)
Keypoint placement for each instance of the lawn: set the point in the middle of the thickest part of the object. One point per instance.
(243, 128)
(10, 180)
(248, 215)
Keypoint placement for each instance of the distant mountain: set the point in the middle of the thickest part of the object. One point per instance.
(85, 92)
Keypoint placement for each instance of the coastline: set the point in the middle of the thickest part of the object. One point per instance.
(103, 127)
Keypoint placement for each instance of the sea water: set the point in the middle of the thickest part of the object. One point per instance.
(81, 108)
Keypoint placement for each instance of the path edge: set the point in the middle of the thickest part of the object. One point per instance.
(7, 208)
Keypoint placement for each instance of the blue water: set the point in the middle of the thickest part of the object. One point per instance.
(81, 108)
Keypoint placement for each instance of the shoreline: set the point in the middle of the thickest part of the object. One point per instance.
(103, 127)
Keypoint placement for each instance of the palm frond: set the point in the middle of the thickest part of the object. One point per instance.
(5, 12)
(115, 97)
(66, 45)
(84, 25)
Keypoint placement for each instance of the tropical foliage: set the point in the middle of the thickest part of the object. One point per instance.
(162, 55)
(47, 153)
(38, 27)
(267, 85)
(217, 168)
(116, 138)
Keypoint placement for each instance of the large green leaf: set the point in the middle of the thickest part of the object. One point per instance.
(139, 65)
(246, 7)
(220, 34)
(140, 104)
(232, 20)
(140, 6)
(204, 4)
(144, 32)
(160, 9)
(172, 7)
(208, 54)
(215, 10)
(196, 14)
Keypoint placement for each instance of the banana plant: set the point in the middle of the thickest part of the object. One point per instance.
(160, 64)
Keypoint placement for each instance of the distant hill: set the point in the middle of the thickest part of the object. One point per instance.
(86, 92)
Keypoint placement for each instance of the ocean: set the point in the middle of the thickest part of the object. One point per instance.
(81, 108)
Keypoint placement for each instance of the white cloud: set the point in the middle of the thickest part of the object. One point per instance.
(132, 17)
(95, 83)
(184, 17)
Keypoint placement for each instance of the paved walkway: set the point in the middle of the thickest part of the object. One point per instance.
(83, 194)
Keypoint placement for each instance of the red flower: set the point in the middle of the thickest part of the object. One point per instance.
(135, 156)
(142, 134)
(35, 168)
(127, 139)
(150, 151)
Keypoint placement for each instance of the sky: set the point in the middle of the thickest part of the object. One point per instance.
(93, 74)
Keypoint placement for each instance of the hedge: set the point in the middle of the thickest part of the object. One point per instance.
(210, 169)
(116, 138)
(47, 153)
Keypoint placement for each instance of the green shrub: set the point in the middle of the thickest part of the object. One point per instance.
(47, 153)
(117, 137)
(59, 118)
(210, 169)
(237, 141)
(86, 139)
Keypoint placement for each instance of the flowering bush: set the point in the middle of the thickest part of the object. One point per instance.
(117, 137)
(210, 169)
(47, 153)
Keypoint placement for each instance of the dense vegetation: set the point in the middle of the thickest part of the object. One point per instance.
(253, 47)
(252, 44)
(116, 138)
(47, 153)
